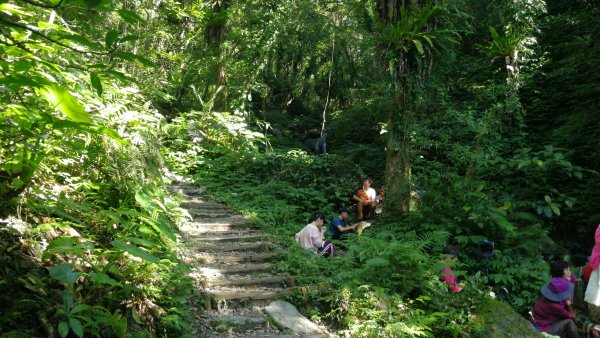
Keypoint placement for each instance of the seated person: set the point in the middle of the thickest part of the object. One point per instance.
(365, 199)
(552, 313)
(448, 276)
(311, 236)
(338, 226)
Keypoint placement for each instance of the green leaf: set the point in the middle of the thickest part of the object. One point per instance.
(419, 46)
(69, 245)
(80, 40)
(129, 37)
(130, 17)
(140, 241)
(96, 83)
(67, 297)
(135, 251)
(161, 227)
(555, 209)
(10, 9)
(64, 273)
(63, 329)
(22, 65)
(79, 308)
(60, 98)
(76, 326)
(119, 324)
(102, 278)
(133, 58)
(110, 38)
(548, 212)
(548, 199)
(143, 200)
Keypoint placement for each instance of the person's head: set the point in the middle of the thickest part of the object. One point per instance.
(317, 218)
(560, 269)
(451, 252)
(367, 183)
(558, 289)
(344, 213)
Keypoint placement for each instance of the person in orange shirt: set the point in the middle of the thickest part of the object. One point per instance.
(365, 199)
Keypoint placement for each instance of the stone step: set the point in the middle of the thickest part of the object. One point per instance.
(265, 294)
(202, 204)
(236, 269)
(284, 336)
(186, 189)
(230, 246)
(225, 258)
(231, 238)
(218, 229)
(231, 220)
(239, 324)
(253, 281)
(210, 215)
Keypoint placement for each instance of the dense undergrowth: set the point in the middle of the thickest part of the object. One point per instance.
(87, 240)
(387, 282)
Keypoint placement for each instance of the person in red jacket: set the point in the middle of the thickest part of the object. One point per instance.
(552, 312)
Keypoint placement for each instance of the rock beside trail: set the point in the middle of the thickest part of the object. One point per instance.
(498, 319)
(286, 316)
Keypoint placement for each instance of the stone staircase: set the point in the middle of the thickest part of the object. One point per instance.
(232, 266)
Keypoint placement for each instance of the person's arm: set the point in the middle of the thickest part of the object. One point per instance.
(346, 228)
(561, 311)
(315, 236)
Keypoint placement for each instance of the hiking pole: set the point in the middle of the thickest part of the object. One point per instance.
(486, 248)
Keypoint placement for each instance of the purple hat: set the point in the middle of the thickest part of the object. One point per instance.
(558, 289)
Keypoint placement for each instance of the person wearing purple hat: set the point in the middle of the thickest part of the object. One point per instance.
(551, 313)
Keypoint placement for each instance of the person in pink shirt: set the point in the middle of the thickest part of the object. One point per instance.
(552, 313)
(448, 275)
(311, 236)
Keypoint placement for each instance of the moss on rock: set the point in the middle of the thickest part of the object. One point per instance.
(498, 319)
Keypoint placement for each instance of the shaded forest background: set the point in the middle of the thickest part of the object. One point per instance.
(484, 113)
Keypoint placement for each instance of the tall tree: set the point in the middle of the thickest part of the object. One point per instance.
(407, 33)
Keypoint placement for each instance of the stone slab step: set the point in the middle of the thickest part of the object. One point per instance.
(208, 259)
(234, 238)
(238, 323)
(186, 189)
(252, 294)
(230, 246)
(284, 336)
(200, 204)
(209, 213)
(272, 280)
(232, 220)
(218, 230)
(237, 269)
(197, 228)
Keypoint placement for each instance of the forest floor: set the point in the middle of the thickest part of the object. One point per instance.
(231, 265)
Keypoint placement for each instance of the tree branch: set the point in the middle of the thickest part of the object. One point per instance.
(37, 4)
(43, 36)
(23, 46)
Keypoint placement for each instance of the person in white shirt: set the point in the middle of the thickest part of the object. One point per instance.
(365, 199)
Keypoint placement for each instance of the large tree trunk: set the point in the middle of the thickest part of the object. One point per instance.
(215, 35)
(400, 120)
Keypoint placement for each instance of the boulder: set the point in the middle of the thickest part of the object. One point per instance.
(286, 316)
(499, 319)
